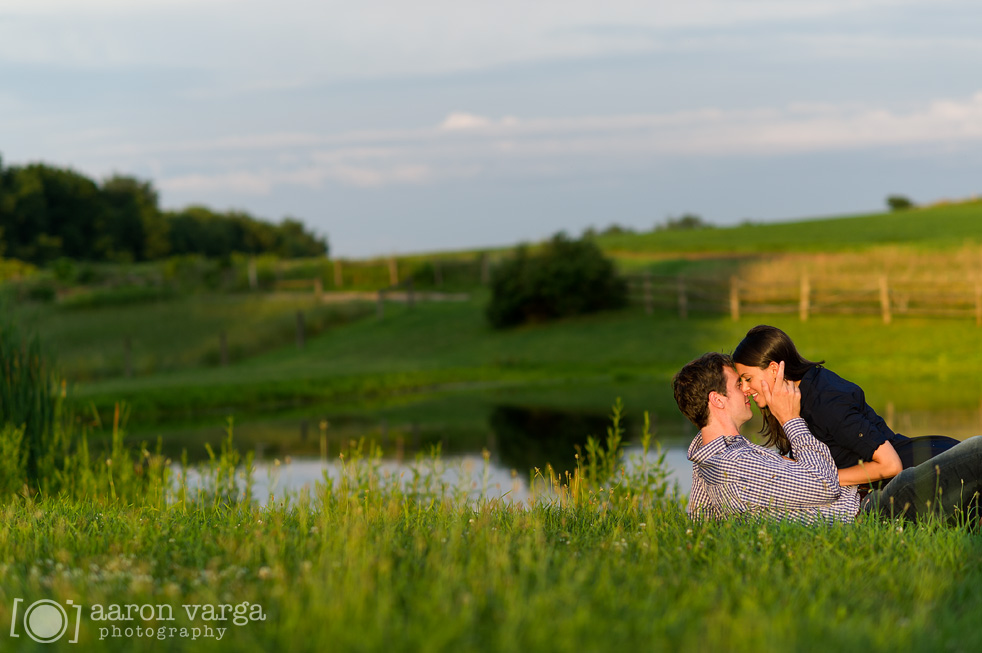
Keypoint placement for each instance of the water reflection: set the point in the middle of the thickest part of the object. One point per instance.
(530, 437)
(462, 475)
(518, 438)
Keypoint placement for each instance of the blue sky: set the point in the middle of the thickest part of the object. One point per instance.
(413, 126)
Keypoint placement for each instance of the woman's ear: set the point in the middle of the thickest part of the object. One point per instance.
(772, 367)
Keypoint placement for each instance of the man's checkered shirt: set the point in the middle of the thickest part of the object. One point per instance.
(733, 476)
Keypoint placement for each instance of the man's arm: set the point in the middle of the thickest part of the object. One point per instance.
(811, 479)
(700, 504)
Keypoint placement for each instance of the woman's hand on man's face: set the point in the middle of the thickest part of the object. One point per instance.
(784, 399)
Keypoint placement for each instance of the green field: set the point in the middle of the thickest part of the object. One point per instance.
(369, 564)
(358, 364)
(373, 560)
(944, 226)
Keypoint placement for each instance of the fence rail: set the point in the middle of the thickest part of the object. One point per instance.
(807, 296)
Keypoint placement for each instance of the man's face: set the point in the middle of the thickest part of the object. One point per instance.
(737, 403)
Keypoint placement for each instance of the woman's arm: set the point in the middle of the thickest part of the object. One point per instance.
(885, 464)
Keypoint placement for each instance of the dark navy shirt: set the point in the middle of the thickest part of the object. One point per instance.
(838, 415)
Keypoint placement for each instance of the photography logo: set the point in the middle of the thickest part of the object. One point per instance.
(45, 621)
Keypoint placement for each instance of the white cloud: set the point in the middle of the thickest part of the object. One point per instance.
(461, 120)
(256, 44)
(467, 145)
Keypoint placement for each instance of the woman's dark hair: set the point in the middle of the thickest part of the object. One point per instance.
(762, 346)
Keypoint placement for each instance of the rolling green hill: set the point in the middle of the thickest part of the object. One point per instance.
(936, 227)
(352, 357)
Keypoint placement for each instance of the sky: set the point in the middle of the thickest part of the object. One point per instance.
(392, 127)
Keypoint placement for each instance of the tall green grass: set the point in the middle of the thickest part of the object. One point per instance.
(600, 558)
(371, 561)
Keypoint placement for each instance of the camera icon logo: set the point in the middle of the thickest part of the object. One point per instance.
(45, 621)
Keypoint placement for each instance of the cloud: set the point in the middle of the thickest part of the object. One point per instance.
(254, 44)
(467, 146)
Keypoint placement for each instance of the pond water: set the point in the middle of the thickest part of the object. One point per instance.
(294, 451)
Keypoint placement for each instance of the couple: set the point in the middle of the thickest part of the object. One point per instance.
(832, 447)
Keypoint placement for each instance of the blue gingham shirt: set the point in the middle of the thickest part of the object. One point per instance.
(733, 476)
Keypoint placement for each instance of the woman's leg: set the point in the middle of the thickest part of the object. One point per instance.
(948, 484)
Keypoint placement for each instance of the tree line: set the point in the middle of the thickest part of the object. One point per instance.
(47, 213)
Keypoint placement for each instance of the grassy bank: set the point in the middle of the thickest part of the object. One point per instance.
(448, 348)
(359, 364)
(366, 566)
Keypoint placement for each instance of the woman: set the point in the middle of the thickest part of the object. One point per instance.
(863, 446)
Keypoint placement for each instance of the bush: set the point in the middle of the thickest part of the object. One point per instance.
(899, 203)
(687, 222)
(568, 277)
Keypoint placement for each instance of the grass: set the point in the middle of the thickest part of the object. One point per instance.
(447, 349)
(178, 333)
(936, 226)
(370, 563)
(427, 363)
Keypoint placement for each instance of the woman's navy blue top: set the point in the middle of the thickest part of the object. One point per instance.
(838, 415)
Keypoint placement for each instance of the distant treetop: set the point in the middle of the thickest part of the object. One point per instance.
(47, 213)
(686, 222)
(899, 203)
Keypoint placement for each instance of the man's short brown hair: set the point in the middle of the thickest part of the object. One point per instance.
(695, 381)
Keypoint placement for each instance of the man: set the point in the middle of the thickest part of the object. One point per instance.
(731, 475)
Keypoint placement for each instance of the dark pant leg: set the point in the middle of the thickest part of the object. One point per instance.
(948, 484)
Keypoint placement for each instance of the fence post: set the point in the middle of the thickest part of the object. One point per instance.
(805, 304)
(300, 330)
(485, 268)
(734, 298)
(885, 299)
(127, 357)
(223, 348)
(648, 299)
(683, 299)
(381, 304)
(393, 271)
(338, 278)
(318, 287)
(253, 275)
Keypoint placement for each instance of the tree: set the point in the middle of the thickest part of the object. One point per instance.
(899, 203)
(686, 222)
(568, 277)
(47, 213)
(134, 219)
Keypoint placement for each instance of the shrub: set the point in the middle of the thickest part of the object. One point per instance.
(899, 203)
(687, 222)
(568, 277)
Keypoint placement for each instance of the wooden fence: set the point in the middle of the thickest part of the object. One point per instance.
(806, 296)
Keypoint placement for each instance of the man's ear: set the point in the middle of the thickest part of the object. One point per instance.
(716, 399)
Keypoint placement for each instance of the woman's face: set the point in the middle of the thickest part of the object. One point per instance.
(750, 378)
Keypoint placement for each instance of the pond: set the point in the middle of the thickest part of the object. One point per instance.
(520, 431)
